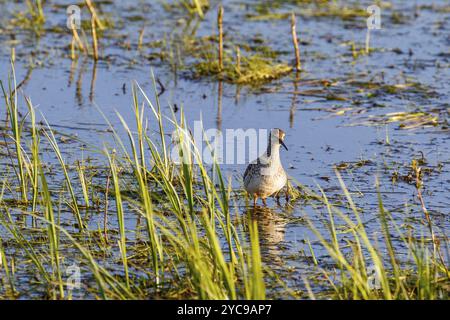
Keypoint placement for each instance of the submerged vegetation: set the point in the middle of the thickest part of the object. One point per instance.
(368, 268)
(254, 69)
(251, 70)
(33, 18)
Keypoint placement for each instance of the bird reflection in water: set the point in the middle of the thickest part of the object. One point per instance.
(271, 229)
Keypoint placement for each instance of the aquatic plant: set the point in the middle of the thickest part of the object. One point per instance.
(33, 18)
(196, 243)
(185, 209)
(366, 269)
(250, 70)
(198, 7)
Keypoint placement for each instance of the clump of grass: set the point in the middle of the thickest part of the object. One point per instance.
(358, 50)
(193, 246)
(8, 267)
(185, 208)
(363, 271)
(406, 120)
(192, 7)
(33, 18)
(95, 23)
(333, 10)
(254, 69)
(257, 69)
(325, 9)
(35, 10)
(10, 97)
(269, 16)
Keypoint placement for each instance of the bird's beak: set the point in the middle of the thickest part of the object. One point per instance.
(282, 143)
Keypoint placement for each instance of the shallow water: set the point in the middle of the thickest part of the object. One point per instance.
(321, 132)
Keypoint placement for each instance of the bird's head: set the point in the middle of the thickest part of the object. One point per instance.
(277, 137)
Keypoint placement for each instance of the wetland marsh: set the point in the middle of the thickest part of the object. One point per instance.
(93, 206)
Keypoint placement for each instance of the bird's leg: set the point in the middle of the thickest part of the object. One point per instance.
(286, 194)
(277, 196)
(255, 198)
(264, 201)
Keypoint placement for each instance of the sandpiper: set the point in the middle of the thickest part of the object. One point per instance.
(265, 176)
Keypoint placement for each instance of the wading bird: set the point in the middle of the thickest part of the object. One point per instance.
(265, 176)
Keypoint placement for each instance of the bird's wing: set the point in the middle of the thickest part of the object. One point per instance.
(253, 166)
(250, 168)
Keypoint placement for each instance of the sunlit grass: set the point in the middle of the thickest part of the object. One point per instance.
(185, 245)
(194, 245)
(364, 270)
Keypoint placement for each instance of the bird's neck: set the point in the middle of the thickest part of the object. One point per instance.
(273, 151)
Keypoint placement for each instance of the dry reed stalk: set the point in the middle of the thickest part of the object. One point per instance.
(94, 14)
(295, 41)
(94, 38)
(76, 38)
(72, 49)
(435, 241)
(141, 38)
(238, 60)
(220, 27)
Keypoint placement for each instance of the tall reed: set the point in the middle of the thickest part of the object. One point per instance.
(298, 65)
(16, 124)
